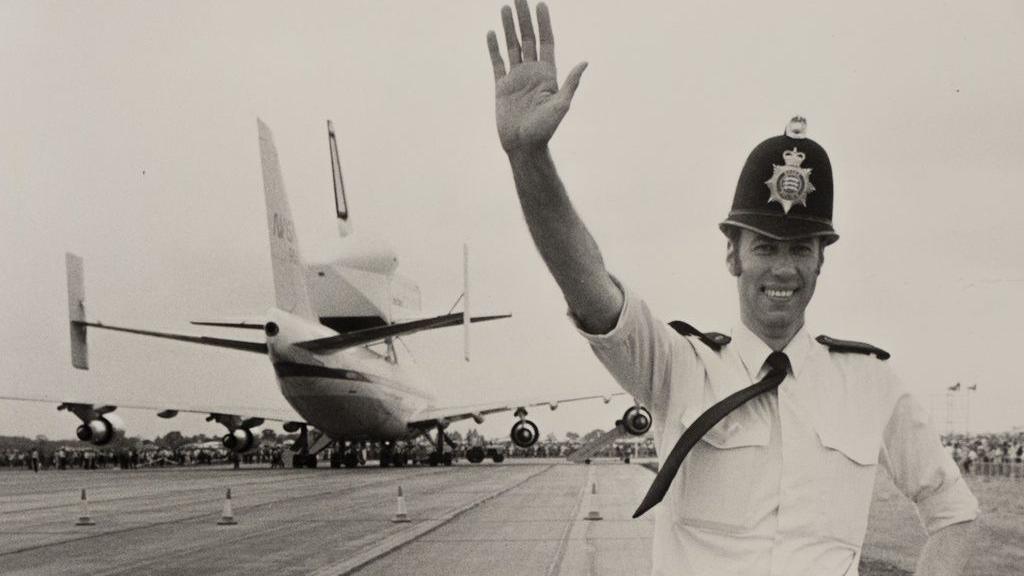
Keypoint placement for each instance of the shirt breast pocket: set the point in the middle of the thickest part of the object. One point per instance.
(848, 466)
(720, 478)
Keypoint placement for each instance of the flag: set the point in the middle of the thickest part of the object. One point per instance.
(973, 387)
(954, 387)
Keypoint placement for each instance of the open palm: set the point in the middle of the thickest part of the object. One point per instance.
(529, 103)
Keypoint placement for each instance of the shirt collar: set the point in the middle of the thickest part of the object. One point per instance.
(753, 352)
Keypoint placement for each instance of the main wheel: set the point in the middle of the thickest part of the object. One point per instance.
(350, 459)
(475, 454)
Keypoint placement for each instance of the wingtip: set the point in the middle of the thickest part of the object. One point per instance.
(264, 130)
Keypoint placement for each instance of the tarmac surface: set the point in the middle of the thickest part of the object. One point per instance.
(518, 517)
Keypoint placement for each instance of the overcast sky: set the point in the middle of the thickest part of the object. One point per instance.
(128, 135)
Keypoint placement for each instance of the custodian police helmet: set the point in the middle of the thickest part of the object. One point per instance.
(785, 189)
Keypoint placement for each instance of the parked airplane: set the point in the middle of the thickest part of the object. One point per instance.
(331, 341)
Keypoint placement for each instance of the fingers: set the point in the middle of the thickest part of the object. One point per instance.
(496, 62)
(547, 39)
(526, 31)
(515, 56)
(572, 82)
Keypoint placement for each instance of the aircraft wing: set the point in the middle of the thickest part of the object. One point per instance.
(431, 417)
(371, 335)
(171, 409)
(247, 346)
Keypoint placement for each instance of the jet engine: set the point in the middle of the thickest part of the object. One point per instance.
(240, 440)
(636, 420)
(524, 433)
(100, 430)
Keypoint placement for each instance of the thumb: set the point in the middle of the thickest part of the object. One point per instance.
(572, 82)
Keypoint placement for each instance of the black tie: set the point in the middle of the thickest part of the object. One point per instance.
(778, 363)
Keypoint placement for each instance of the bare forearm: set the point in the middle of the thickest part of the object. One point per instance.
(564, 242)
(947, 550)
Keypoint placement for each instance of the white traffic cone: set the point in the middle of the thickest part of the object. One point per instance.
(402, 515)
(83, 517)
(593, 514)
(227, 517)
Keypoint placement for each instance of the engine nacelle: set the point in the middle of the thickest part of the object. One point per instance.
(636, 420)
(239, 440)
(100, 431)
(524, 433)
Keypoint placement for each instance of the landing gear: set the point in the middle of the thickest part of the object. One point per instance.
(387, 454)
(303, 460)
(439, 456)
(304, 453)
(436, 458)
(399, 459)
(351, 458)
(476, 454)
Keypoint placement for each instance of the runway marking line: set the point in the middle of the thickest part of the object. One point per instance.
(202, 501)
(418, 530)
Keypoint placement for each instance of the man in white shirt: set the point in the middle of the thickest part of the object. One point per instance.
(782, 484)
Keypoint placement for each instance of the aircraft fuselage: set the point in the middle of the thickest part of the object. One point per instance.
(351, 394)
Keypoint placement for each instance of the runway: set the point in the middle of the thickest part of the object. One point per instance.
(511, 518)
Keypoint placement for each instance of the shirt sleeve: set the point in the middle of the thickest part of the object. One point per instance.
(640, 351)
(913, 455)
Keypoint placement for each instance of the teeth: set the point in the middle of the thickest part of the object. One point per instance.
(779, 293)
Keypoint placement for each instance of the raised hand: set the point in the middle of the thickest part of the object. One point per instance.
(529, 103)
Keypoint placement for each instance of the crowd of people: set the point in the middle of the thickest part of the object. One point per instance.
(38, 459)
(987, 453)
(62, 458)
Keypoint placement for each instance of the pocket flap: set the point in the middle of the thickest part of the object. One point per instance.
(860, 448)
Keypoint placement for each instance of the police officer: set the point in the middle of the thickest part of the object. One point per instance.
(782, 433)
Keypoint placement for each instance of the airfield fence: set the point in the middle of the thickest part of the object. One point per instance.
(994, 469)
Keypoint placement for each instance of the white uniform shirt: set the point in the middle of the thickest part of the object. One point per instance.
(782, 485)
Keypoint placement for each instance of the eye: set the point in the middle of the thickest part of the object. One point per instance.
(803, 250)
(762, 249)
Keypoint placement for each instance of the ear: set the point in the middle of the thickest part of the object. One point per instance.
(732, 259)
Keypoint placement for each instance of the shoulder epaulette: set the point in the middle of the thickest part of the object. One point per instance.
(836, 345)
(713, 340)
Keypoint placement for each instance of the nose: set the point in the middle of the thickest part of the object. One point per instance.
(784, 265)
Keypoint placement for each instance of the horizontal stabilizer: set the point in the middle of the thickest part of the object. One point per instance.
(249, 324)
(258, 347)
(371, 335)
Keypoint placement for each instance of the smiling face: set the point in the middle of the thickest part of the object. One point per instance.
(776, 279)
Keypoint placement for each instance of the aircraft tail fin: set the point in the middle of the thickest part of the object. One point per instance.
(76, 311)
(289, 272)
(340, 202)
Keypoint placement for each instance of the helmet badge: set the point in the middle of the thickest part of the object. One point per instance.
(790, 184)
